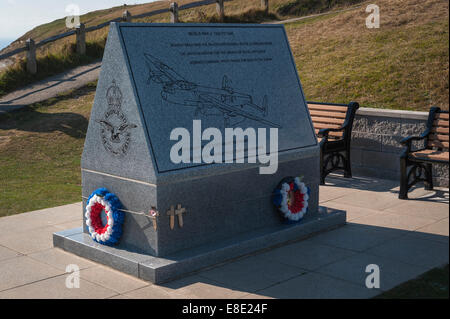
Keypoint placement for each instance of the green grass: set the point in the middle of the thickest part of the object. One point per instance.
(433, 284)
(307, 7)
(40, 151)
(402, 65)
(250, 16)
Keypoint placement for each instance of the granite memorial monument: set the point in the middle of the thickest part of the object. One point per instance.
(193, 127)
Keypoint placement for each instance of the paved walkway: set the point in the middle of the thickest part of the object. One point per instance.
(405, 238)
(50, 87)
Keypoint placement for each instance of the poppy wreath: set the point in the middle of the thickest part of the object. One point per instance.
(102, 200)
(291, 198)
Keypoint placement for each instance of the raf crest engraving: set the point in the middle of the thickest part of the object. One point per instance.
(115, 128)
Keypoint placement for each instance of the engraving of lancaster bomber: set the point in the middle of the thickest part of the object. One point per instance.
(235, 107)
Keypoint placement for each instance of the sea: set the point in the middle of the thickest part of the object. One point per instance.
(5, 42)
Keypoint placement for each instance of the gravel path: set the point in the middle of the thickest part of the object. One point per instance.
(50, 87)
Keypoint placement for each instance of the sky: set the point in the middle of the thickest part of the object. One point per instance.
(19, 16)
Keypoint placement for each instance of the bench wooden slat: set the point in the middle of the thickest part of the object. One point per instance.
(440, 130)
(327, 114)
(322, 125)
(327, 120)
(439, 137)
(440, 123)
(323, 107)
(431, 155)
(441, 116)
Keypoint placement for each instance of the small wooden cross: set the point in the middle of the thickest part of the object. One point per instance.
(171, 213)
(153, 214)
(179, 211)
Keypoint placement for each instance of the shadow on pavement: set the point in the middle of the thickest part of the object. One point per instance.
(308, 269)
(417, 192)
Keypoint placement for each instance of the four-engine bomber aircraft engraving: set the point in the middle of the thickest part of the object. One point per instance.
(235, 107)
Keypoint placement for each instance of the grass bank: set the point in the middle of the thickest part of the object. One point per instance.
(40, 151)
(431, 285)
(402, 65)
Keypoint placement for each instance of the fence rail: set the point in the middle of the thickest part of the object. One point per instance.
(81, 30)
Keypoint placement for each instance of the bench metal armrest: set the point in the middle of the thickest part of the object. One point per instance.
(407, 141)
(324, 131)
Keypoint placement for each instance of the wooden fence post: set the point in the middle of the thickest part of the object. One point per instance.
(174, 12)
(265, 5)
(126, 16)
(220, 10)
(31, 56)
(80, 32)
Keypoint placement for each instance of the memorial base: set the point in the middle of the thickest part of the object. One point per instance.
(163, 269)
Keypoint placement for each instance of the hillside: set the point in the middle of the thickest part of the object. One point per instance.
(236, 10)
(402, 65)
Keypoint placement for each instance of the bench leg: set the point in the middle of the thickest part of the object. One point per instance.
(322, 169)
(347, 165)
(429, 177)
(403, 194)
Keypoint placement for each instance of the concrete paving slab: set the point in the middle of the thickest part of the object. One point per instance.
(314, 286)
(353, 212)
(369, 199)
(55, 288)
(192, 287)
(39, 218)
(201, 288)
(6, 253)
(119, 297)
(422, 209)
(70, 225)
(112, 279)
(34, 240)
(439, 231)
(24, 270)
(394, 221)
(353, 269)
(60, 259)
(252, 273)
(150, 292)
(418, 192)
(362, 183)
(357, 237)
(307, 254)
(256, 296)
(414, 251)
(328, 192)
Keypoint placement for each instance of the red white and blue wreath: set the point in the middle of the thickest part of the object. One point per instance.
(102, 200)
(291, 198)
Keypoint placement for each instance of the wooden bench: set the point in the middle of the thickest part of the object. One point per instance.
(434, 150)
(333, 126)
